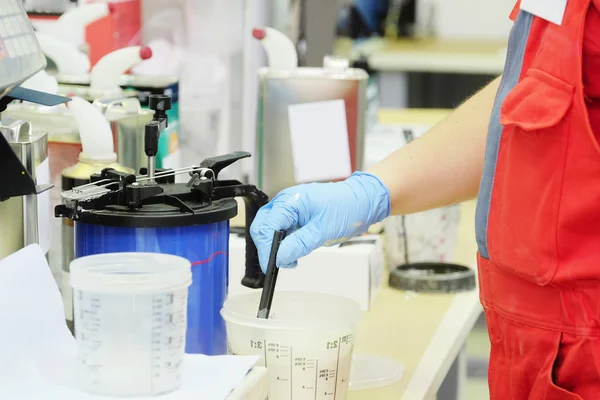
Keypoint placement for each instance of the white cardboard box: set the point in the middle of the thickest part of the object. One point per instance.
(353, 270)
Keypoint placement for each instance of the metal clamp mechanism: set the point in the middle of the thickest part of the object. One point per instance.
(108, 188)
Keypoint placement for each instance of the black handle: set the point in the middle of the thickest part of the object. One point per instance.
(160, 104)
(254, 199)
(217, 164)
(266, 298)
(152, 134)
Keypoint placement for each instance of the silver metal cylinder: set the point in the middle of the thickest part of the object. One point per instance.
(32, 150)
(151, 168)
(30, 220)
(279, 90)
(127, 121)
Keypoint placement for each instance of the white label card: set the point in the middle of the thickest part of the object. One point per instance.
(550, 10)
(319, 136)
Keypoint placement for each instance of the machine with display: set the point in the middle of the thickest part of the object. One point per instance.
(24, 201)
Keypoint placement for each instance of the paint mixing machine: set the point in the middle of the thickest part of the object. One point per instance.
(149, 212)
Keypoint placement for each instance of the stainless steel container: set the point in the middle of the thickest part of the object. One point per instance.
(279, 89)
(127, 119)
(26, 219)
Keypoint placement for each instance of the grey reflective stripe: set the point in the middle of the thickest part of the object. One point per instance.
(512, 70)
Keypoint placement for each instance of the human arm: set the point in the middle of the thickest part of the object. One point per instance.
(442, 167)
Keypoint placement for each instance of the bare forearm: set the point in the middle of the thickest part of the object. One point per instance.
(444, 166)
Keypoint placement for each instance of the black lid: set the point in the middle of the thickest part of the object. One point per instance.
(114, 198)
(433, 278)
(163, 215)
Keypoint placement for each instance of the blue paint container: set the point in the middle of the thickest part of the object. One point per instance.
(205, 246)
(188, 220)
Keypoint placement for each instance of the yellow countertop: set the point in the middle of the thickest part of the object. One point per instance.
(427, 54)
(422, 332)
(411, 116)
(407, 327)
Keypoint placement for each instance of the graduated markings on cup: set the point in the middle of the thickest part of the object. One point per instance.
(321, 379)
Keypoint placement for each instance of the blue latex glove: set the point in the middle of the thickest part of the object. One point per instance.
(319, 214)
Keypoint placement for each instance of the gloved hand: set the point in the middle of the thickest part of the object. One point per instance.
(319, 214)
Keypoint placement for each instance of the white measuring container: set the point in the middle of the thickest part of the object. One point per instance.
(306, 344)
(130, 320)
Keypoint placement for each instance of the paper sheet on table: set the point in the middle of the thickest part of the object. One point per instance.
(319, 136)
(37, 351)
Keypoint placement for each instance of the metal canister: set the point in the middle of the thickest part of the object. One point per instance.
(279, 89)
(127, 120)
(126, 117)
(77, 175)
(26, 219)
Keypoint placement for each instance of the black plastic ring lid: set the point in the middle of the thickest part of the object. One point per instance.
(433, 278)
(161, 215)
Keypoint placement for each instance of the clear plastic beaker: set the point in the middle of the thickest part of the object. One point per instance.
(130, 320)
(306, 344)
(428, 236)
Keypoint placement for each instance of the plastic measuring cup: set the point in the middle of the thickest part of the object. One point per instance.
(306, 344)
(130, 316)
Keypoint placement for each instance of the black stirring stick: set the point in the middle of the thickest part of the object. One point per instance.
(266, 298)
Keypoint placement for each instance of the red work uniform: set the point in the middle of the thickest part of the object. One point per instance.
(538, 212)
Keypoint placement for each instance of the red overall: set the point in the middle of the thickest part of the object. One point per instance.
(539, 212)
